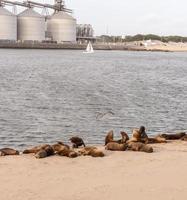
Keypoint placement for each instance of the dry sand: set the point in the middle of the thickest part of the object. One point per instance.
(169, 47)
(120, 175)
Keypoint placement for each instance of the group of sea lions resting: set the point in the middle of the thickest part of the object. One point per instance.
(62, 149)
(139, 142)
(59, 148)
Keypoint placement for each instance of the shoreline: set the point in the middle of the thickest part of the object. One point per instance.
(119, 175)
(107, 47)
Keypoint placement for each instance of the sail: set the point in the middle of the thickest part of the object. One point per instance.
(89, 48)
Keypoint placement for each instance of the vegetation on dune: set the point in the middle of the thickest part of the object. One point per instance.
(141, 37)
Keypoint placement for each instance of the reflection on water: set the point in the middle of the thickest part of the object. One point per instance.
(49, 95)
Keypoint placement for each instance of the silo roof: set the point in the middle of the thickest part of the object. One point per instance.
(29, 13)
(4, 11)
(62, 15)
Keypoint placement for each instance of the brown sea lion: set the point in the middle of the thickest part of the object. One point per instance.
(8, 152)
(45, 152)
(40, 151)
(59, 146)
(124, 139)
(64, 150)
(34, 149)
(67, 152)
(156, 139)
(184, 138)
(109, 137)
(77, 142)
(85, 151)
(176, 136)
(138, 146)
(113, 146)
(139, 135)
(96, 153)
(91, 151)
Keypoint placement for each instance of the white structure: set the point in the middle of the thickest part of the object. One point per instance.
(8, 25)
(62, 27)
(31, 26)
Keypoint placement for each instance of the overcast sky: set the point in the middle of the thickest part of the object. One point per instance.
(123, 17)
(163, 17)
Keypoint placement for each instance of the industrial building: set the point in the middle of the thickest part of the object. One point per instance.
(85, 33)
(30, 26)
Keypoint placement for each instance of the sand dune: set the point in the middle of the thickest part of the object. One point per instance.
(120, 175)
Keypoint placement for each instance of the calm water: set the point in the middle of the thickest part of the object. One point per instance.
(49, 95)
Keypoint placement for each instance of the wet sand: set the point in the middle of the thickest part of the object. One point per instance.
(120, 175)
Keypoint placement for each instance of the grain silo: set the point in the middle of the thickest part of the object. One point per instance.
(8, 25)
(62, 27)
(31, 26)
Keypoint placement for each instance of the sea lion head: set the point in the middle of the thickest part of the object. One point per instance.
(109, 137)
(49, 150)
(125, 136)
(142, 129)
(17, 152)
(41, 154)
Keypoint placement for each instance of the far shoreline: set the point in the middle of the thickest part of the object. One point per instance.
(106, 47)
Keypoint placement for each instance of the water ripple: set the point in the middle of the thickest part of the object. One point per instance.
(49, 95)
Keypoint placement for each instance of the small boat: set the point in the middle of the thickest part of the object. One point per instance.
(89, 48)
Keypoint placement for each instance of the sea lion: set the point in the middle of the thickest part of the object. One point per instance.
(41, 151)
(59, 146)
(91, 151)
(77, 142)
(45, 152)
(138, 146)
(156, 139)
(67, 152)
(62, 149)
(85, 151)
(8, 152)
(184, 138)
(124, 139)
(114, 146)
(176, 136)
(96, 153)
(34, 149)
(139, 135)
(109, 137)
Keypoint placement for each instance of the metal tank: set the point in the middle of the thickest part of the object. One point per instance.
(31, 26)
(62, 27)
(8, 25)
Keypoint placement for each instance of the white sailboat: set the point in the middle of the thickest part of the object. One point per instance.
(89, 48)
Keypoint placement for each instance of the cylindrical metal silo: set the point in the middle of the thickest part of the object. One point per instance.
(31, 26)
(8, 25)
(62, 27)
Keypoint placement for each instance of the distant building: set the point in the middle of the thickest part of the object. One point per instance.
(85, 32)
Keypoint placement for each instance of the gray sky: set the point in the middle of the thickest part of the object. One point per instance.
(129, 17)
(163, 17)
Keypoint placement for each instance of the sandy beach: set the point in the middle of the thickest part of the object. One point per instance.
(120, 175)
(175, 47)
